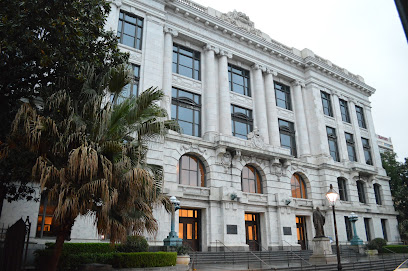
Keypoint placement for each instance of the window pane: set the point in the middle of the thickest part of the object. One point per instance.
(129, 29)
(240, 128)
(129, 41)
(186, 127)
(185, 114)
(186, 61)
(185, 71)
(238, 88)
(285, 141)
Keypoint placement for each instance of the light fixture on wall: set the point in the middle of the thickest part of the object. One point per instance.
(288, 201)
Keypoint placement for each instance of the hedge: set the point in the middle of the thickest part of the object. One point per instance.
(144, 259)
(76, 248)
(395, 248)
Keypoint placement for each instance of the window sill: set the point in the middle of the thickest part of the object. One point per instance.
(186, 77)
(131, 49)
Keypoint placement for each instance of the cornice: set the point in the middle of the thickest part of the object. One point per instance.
(199, 14)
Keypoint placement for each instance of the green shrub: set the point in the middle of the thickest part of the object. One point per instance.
(376, 243)
(134, 244)
(144, 259)
(75, 248)
(182, 250)
(395, 248)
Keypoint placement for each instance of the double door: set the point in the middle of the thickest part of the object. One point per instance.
(252, 231)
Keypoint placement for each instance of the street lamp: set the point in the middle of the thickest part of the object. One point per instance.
(173, 240)
(332, 196)
(355, 240)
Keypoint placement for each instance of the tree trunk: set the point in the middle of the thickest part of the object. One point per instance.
(59, 243)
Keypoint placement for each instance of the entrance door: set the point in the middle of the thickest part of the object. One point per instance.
(301, 231)
(189, 227)
(252, 231)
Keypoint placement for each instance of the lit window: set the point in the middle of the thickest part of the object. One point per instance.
(251, 181)
(186, 62)
(241, 121)
(186, 109)
(360, 117)
(282, 95)
(45, 223)
(239, 80)
(332, 138)
(298, 187)
(287, 136)
(191, 171)
(327, 108)
(130, 30)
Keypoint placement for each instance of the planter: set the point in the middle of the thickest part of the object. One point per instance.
(371, 252)
(183, 259)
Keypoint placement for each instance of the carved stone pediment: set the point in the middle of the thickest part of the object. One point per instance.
(255, 139)
(242, 21)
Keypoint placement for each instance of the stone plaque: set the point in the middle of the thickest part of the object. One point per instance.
(287, 231)
(232, 229)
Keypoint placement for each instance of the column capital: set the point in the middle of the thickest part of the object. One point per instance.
(271, 71)
(226, 53)
(298, 83)
(117, 3)
(258, 67)
(209, 47)
(169, 30)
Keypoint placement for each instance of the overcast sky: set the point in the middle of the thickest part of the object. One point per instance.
(363, 36)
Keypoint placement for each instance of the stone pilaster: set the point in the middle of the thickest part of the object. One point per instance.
(301, 125)
(169, 33)
(357, 134)
(341, 138)
(261, 121)
(210, 94)
(224, 94)
(375, 152)
(271, 111)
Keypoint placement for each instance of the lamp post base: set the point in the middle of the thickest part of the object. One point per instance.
(322, 252)
(173, 240)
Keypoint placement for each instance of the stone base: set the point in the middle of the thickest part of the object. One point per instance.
(322, 252)
(172, 240)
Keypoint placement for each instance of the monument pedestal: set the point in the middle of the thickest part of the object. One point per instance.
(322, 252)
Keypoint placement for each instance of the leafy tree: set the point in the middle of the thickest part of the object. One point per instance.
(398, 172)
(42, 42)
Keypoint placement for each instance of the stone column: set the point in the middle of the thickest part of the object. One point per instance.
(301, 125)
(271, 111)
(224, 94)
(261, 121)
(375, 152)
(341, 138)
(210, 92)
(357, 134)
(167, 67)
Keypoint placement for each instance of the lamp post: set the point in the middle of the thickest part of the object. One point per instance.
(355, 241)
(172, 239)
(332, 196)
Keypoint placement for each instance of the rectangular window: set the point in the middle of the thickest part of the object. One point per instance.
(282, 95)
(131, 89)
(241, 121)
(367, 151)
(130, 30)
(332, 138)
(186, 109)
(384, 228)
(348, 228)
(287, 136)
(360, 117)
(367, 228)
(345, 116)
(327, 108)
(342, 189)
(377, 193)
(186, 62)
(45, 222)
(361, 192)
(351, 150)
(239, 80)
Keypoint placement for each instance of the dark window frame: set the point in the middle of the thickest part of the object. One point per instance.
(245, 118)
(349, 230)
(377, 193)
(384, 229)
(138, 35)
(288, 130)
(332, 137)
(351, 147)
(179, 50)
(257, 180)
(367, 227)
(287, 101)
(344, 110)
(367, 151)
(360, 117)
(361, 192)
(342, 184)
(244, 74)
(327, 108)
(192, 104)
(201, 176)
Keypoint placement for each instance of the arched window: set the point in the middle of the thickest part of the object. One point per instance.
(298, 187)
(250, 180)
(191, 171)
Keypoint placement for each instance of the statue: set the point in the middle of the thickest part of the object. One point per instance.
(318, 222)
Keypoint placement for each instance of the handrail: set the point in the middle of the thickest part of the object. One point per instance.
(194, 261)
(261, 255)
(225, 247)
(295, 253)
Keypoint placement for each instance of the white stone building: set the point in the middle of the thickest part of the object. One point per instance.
(266, 129)
(385, 144)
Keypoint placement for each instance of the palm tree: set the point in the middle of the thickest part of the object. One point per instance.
(92, 155)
